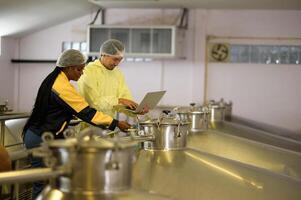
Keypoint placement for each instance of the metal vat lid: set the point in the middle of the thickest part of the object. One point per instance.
(101, 143)
(201, 111)
(149, 122)
(62, 143)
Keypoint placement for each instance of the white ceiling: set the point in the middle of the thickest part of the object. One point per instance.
(18, 17)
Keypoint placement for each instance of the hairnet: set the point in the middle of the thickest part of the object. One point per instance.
(71, 57)
(112, 47)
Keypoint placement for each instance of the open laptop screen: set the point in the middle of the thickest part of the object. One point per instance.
(151, 99)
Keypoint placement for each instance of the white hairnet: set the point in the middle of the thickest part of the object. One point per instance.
(112, 47)
(71, 57)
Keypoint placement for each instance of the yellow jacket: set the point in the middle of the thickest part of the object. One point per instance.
(102, 87)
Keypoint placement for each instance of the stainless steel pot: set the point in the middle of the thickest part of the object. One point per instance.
(199, 120)
(217, 111)
(104, 166)
(198, 117)
(169, 133)
(62, 153)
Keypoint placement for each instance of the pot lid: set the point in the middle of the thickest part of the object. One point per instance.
(62, 143)
(148, 121)
(92, 141)
(169, 120)
(201, 110)
(172, 121)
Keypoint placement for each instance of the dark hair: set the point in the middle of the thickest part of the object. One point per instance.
(39, 111)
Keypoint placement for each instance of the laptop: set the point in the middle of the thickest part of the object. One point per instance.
(151, 99)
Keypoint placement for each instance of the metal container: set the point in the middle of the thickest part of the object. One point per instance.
(247, 151)
(169, 133)
(199, 120)
(185, 173)
(194, 175)
(217, 111)
(99, 169)
(197, 116)
(257, 135)
(104, 167)
(61, 153)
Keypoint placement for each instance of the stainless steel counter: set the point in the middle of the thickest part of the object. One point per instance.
(11, 123)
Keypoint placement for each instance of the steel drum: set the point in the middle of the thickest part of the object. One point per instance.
(247, 151)
(185, 173)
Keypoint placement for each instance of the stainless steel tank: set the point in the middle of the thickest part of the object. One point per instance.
(247, 151)
(220, 109)
(190, 174)
(256, 135)
(169, 133)
(98, 169)
(186, 173)
(197, 116)
(87, 167)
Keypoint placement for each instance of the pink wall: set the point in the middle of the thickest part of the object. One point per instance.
(8, 47)
(265, 93)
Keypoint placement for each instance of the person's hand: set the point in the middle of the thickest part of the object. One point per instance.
(128, 103)
(124, 126)
(144, 110)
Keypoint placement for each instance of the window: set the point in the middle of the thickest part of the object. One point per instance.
(265, 54)
(81, 46)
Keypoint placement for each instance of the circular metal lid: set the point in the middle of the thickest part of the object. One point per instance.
(201, 110)
(101, 143)
(172, 121)
(62, 143)
(168, 120)
(149, 122)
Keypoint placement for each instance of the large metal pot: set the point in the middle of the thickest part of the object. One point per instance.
(199, 120)
(62, 153)
(198, 116)
(169, 133)
(103, 166)
(217, 111)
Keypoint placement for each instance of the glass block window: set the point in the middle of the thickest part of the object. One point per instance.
(265, 54)
(81, 46)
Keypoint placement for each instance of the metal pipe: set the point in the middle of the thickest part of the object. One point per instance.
(141, 138)
(29, 175)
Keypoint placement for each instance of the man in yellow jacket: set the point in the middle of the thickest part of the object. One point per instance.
(102, 83)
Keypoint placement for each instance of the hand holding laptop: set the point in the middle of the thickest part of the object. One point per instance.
(132, 106)
(150, 100)
(128, 103)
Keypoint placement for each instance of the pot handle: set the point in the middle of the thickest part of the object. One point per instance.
(113, 164)
(178, 132)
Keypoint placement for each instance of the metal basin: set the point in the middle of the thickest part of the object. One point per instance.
(190, 174)
(256, 135)
(55, 194)
(247, 151)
